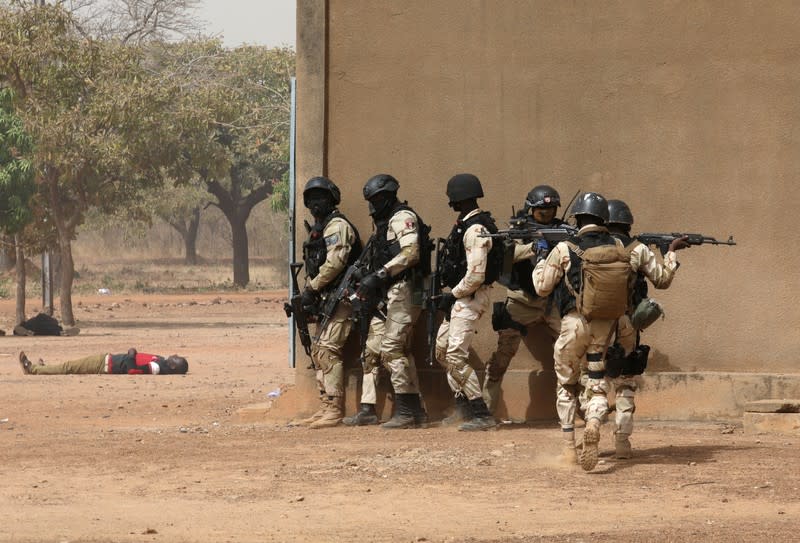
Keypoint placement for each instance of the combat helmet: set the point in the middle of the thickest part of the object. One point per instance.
(463, 186)
(593, 204)
(619, 212)
(542, 196)
(323, 183)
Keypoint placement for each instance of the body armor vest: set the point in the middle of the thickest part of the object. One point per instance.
(565, 300)
(639, 290)
(383, 250)
(522, 272)
(453, 263)
(315, 250)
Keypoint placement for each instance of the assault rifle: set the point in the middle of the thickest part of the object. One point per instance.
(662, 241)
(295, 307)
(346, 288)
(529, 232)
(432, 302)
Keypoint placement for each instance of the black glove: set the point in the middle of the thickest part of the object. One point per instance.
(372, 284)
(446, 302)
(308, 298)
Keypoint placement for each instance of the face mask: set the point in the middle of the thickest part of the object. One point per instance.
(380, 205)
(319, 207)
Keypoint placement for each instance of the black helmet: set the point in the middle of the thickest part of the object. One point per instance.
(591, 203)
(463, 186)
(542, 196)
(325, 184)
(619, 212)
(383, 182)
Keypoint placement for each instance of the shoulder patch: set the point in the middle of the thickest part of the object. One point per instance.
(333, 239)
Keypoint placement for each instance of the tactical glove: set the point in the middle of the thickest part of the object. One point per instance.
(446, 302)
(308, 298)
(372, 284)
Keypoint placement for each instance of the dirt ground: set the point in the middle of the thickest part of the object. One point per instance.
(165, 459)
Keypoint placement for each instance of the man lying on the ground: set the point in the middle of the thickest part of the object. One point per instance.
(130, 363)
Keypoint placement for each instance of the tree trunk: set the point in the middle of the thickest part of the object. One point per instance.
(190, 239)
(241, 251)
(65, 227)
(66, 279)
(188, 233)
(20, 305)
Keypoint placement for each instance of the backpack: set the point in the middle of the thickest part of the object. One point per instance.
(606, 277)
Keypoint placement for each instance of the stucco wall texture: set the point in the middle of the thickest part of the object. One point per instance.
(689, 111)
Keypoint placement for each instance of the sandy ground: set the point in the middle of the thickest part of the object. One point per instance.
(165, 459)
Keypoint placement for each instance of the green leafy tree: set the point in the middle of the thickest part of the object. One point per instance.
(238, 104)
(17, 186)
(97, 115)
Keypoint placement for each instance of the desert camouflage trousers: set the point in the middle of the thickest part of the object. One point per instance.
(326, 352)
(389, 344)
(625, 386)
(529, 311)
(454, 339)
(581, 344)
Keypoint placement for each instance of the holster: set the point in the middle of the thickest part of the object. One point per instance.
(501, 319)
(634, 364)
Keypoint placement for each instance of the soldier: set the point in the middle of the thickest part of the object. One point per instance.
(523, 307)
(398, 262)
(333, 244)
(468, 267)
(644, 261)
(589, 311)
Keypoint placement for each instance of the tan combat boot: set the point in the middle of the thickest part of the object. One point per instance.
(569, 456)
(622, 447)
(332, 414)
(313, 418)
(591, 441)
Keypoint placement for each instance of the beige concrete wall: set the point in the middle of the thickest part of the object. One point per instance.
(687, 110)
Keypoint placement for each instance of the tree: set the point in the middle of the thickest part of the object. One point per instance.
(251, 99)
(237, 103)
(16, 186)
(95, 113)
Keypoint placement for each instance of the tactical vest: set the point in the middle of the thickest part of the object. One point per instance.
(315, 250)
(639, 290)
(562, 295)
(453, 257)
(522, 272)
(384, 250)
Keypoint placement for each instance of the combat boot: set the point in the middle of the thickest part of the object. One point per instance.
(461, 413)
(591, 441)
(365, 416)
(332, 415)
(313, 418)
(420, 415)
(481, 419)
(403, 412)
(569, 455)
(491, 394)
(622, 447)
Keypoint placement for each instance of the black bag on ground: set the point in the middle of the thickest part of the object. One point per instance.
(42, 325)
